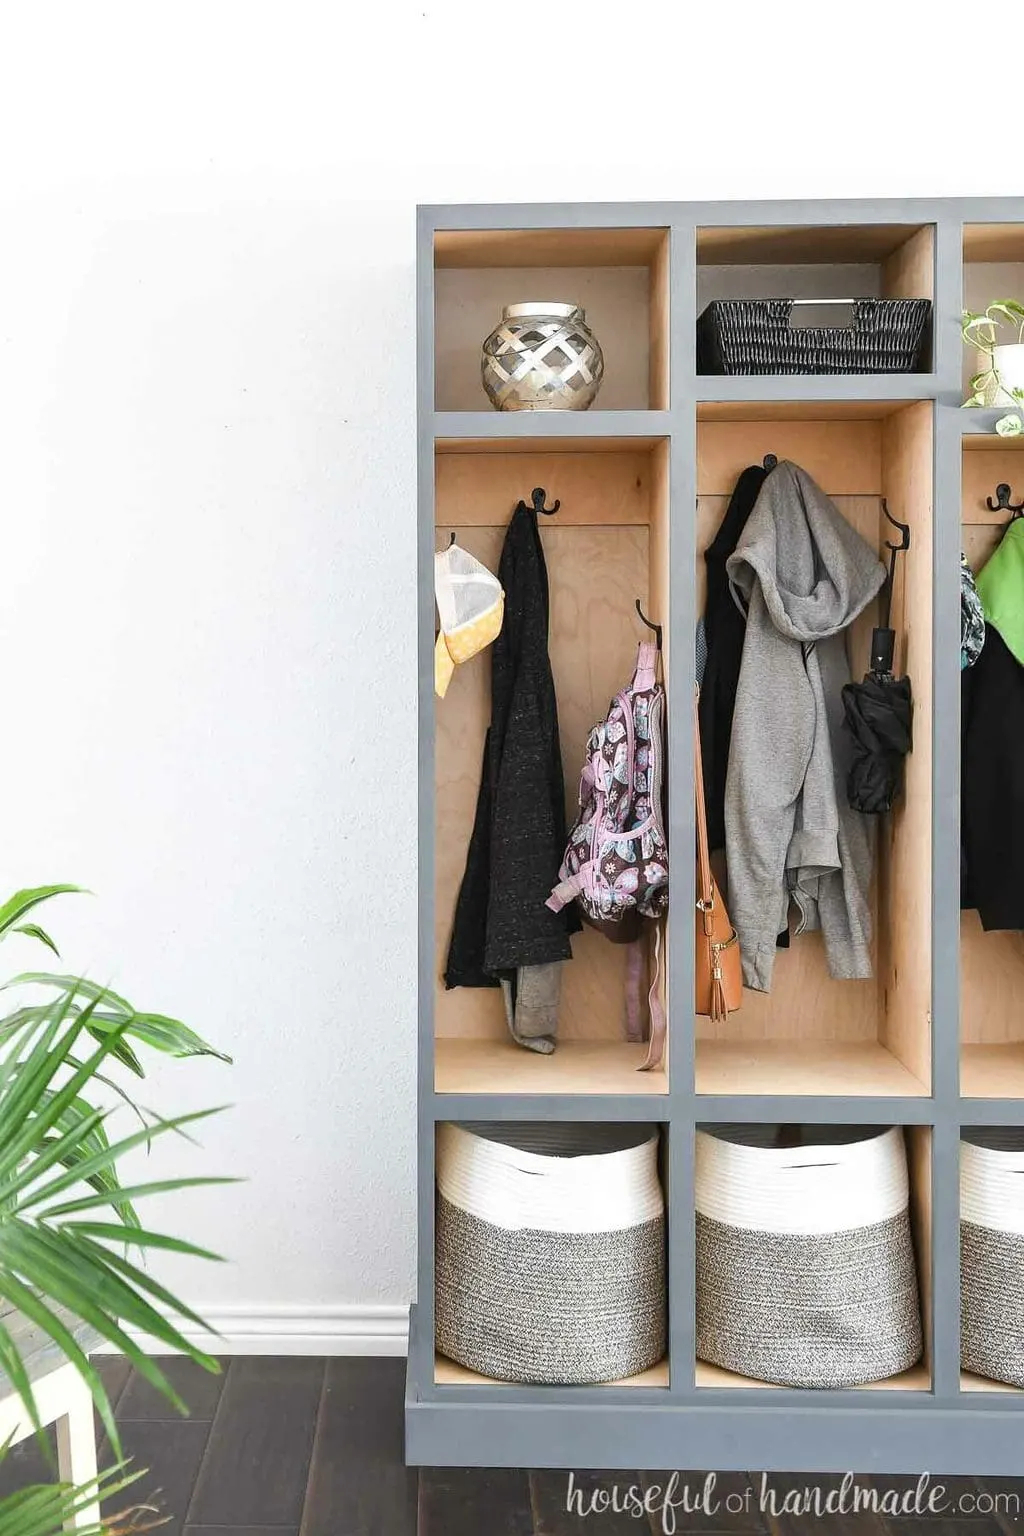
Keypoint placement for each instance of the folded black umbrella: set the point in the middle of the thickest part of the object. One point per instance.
(878, 716)
(879, 712)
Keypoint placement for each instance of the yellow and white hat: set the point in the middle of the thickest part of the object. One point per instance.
(470, 605)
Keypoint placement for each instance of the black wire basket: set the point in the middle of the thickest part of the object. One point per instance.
(757, 336)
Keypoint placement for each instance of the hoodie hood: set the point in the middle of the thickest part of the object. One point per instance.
(815, 571)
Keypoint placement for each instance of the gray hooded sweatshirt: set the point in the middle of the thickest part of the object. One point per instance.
(802, 574)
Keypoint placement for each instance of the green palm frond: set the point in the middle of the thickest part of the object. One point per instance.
(33, 931)
(69, 1228)
(164, 1034)
(22, 903)
(57, 1168)
(48, 1510)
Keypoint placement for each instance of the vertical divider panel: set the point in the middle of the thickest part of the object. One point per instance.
(658, 600)
(682, 623)
(946, 814)
(919, 1140)
(909, 273)
(661, 308)
(423, 1364)
(905, 851)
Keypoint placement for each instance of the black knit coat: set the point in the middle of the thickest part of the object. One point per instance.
(519, 833)
(992, 786)
(724, 630)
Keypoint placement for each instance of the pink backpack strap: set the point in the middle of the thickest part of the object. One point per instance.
(656, 1043)
(634, 983)
(645, 675)
(564, 892)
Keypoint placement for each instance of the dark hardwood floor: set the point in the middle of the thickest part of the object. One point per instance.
(310, 1447)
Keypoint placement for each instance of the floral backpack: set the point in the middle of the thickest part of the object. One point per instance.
(616, 861)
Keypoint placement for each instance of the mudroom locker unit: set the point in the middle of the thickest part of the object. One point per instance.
(934, 1043)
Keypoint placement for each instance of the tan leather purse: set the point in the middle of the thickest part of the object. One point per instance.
(718, 978)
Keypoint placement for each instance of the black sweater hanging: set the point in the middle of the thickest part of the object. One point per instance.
(992, 787)
(518, 840)
(724, 630)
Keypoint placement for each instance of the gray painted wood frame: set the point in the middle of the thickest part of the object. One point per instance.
(941, 1430)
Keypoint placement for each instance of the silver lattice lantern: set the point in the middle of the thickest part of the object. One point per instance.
(542, 357)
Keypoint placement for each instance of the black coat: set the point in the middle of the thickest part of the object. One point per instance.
(519, 834)
(724, 630)
(992, 786)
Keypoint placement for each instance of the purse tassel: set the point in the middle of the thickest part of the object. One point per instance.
(719, 1007)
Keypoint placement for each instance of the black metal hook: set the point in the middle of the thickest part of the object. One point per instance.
(539, 496)
(451, 540)
(1002, 502)
(883, 637)
(645, 620)
(770, 462)
(904, 529)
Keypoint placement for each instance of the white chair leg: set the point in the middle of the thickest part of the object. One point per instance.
(76, 1448)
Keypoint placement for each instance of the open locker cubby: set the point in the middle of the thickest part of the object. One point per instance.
(971, 1381)
(936, 1040)
(992, 963)
(807, 262)
(449, 1373)
(812, 1034)
(619, 277)
(993, 270)
(711, 1378)
(605, 547)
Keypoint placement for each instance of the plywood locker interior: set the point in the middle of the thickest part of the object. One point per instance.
(812, 1034)
(605, 547)
(991, 964)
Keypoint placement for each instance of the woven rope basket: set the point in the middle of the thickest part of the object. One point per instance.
(550, 1259)
(992, 1254)
(805, 1263)
(756, 336)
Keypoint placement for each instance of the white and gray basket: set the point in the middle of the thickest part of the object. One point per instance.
(550, 1257)
(805, 1262)
(992, 1253)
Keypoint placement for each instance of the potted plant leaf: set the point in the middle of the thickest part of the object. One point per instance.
(72, 1245)
(1001, 382)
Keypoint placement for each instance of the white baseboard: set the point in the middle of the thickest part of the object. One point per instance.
(307, 1330)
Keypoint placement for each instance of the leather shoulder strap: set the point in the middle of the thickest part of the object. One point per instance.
(705, 885)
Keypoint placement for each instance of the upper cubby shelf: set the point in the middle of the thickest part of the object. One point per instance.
(618, 278)
(521, 431)
(823, 268)
(808, 397)
(993, 269)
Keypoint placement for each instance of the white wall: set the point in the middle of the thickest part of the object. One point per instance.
(207, 494)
